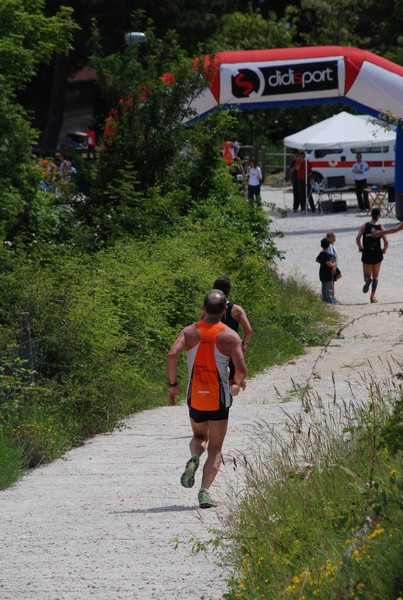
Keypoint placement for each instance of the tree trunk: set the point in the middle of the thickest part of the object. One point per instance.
(50, 136)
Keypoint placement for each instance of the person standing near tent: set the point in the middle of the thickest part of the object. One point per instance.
(254, 181)
(303, 169)
(230, 152)
(293, 179)
(360, 170)
(331, 236)
(327, 266)
(91, 143)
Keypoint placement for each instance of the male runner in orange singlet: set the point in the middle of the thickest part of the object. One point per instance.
(210, 345)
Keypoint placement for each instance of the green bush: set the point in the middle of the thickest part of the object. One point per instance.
(12, 461)
(321, 511)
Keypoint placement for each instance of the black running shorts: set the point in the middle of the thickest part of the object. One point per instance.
(201, 416)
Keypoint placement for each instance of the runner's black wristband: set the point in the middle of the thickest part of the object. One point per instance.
(173, 384)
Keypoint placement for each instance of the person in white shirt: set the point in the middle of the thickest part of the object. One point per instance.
(360, 170)
(254, 181)
(331, 236)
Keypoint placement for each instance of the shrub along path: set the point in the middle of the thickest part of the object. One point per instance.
(110, 520)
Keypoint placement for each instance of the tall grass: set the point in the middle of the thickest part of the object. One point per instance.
(321, 513)
(11, 461)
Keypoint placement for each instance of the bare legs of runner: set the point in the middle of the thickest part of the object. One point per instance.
(208, 436)
(371, 275)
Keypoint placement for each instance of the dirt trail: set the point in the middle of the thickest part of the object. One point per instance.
(110, 520)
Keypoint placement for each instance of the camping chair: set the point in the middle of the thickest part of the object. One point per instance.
(316, 190)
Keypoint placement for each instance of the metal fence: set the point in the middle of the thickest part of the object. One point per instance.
(271, 163)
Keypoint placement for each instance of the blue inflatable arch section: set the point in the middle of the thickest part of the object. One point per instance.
(251, 79)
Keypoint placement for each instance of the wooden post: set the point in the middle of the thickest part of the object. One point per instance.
(263, 162)
(26, 343)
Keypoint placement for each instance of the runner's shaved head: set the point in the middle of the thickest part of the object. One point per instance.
(215, 302)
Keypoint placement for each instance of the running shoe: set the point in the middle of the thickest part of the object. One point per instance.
(367, 285)
(373, 300)
(204, 500)
(188, 476)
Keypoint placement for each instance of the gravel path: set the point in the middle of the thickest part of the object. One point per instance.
(110, 521)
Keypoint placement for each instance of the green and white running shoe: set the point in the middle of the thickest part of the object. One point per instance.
(204, 500)
(188, 476)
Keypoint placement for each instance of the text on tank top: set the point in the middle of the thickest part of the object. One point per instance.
(368, 242)
(208, 369)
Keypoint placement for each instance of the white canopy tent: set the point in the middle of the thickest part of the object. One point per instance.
(340, 131)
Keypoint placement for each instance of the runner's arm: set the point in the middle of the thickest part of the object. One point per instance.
(239, 363)
(243, 320)
(177, 347)
(385, 241)
(395, 229)
(358, 238)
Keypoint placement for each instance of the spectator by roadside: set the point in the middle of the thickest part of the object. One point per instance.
(331, 236)
(294, 180)
(360, 170)
(304, 170)
(91, 144)
(326, 268)
(254, 181)
(230, 152)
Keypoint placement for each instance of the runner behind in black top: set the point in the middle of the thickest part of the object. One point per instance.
(372, 251)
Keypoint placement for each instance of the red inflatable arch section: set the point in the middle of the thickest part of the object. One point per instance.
(290, 76)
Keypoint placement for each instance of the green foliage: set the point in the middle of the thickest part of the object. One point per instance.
(17, 388)
(322, 22)
(148, 111)
(27, 39)
(391, 436)
(345, 23)
(321, 512)
(251, 31)
(40, 440)
(11, 461)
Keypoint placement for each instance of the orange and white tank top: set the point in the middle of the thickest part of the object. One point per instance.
(228, 156)
(208, 370)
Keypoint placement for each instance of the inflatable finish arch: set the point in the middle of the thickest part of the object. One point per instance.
(314, 75)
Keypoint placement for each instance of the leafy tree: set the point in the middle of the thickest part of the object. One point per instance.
(27, 38)
(348, 23)
(251, 31)
(46, 95)
(155, 166)
(194, 22)
(386, 37)
(321, 22)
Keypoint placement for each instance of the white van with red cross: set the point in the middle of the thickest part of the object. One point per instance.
(333, 162)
